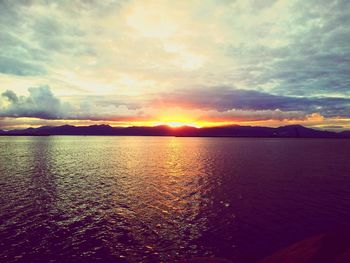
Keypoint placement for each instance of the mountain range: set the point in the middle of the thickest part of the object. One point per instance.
(290, 131)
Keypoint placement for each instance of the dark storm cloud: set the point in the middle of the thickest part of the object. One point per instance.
(225, 98)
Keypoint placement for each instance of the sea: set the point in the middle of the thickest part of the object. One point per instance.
(163, 199)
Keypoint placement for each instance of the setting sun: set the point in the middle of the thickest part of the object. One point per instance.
(176, 124)
(174, 131)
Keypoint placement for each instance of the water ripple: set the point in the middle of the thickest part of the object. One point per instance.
(136, 199)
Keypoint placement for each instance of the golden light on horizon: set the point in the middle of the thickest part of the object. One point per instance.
(176, 124)
(175, 63)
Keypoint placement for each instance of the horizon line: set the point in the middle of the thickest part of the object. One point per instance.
(176, 127)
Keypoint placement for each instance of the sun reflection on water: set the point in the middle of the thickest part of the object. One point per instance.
(164, 192)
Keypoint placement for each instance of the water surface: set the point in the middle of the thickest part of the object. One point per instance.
(152, 199)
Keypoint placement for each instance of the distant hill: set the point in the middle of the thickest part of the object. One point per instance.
(345, 133)
(290, 131)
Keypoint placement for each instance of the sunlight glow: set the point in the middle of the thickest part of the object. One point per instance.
(175, 124)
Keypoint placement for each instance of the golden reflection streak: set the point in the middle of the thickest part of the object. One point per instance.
(164, 187)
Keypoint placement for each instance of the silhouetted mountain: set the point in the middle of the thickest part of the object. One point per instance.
(290, 131)
(301, 131)
(237, 131)
(345, 133)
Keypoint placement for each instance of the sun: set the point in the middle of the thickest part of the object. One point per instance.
(176, 124)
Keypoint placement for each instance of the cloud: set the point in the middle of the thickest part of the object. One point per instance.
(11, 96)
(41, 103)
(132, 59)
(226, 98)
(215, 104)
(239, 115)
(15, 66)
(292, 47)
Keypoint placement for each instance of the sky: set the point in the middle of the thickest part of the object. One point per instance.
(191, 62)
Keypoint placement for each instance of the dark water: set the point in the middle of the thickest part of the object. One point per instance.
(151, 199)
